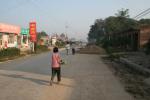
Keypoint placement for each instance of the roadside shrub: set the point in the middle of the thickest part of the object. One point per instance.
(9, 52)
(60, 44)
(41, 48)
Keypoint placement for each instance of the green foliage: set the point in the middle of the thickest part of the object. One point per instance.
(104, 32)
(97, 30)
(40, 34)
(106, 42)
(112, 56)
(144, 22)
(117, 24)
(9, 52)
(60, 44)
(113, 24)
(123, 13)
(41, 48)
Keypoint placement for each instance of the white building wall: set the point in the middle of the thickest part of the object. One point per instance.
(13, 44)
(54, 40)
(5, 41)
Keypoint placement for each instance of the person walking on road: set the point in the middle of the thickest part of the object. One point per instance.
(67, 48)
(56, 68)
(73, 49)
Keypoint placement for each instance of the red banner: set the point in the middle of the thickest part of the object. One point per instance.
(33, 35)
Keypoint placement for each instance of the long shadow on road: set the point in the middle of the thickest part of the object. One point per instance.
(33, 79)
(38, 81)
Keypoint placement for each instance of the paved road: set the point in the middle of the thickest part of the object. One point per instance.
(84, 77)
(39, 64)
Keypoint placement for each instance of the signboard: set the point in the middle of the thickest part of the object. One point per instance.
(32, 31)
(24, 31)
(6, 28)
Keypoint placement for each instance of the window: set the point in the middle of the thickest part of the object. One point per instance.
(11, 38)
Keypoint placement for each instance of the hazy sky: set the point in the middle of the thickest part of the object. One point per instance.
(53, 16)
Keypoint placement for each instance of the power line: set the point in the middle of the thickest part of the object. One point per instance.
(143, 13)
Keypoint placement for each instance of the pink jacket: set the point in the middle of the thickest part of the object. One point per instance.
(55, 60)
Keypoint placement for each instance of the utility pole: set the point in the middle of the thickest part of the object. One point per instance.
(66, 27)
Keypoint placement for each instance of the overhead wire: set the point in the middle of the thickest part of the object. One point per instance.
(142, 14)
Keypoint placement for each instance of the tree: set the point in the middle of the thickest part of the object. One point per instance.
(40, 34)
(96, 30)
(123, 13)
(112, 25)
(121, 22)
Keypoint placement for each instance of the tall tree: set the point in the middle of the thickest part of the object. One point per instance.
(96, 30)
(40, 34)
(112, 24)
(120, 22)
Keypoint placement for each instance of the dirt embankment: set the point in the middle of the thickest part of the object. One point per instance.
(132, 81)
(139, 58)
(92, 49)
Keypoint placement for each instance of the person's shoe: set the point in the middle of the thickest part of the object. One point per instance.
(50, 83)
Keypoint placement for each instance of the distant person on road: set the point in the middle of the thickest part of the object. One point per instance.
(73, 49)
(67, 48)
(56, 69)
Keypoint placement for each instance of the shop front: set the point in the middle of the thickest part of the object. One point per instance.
(9, 35)
(25, 43)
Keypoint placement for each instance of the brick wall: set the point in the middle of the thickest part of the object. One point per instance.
(144, 35)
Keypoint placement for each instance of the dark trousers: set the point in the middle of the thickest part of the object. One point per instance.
(58, 72)
(73, 51)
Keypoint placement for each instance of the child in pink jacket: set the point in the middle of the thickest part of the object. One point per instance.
(56, 69)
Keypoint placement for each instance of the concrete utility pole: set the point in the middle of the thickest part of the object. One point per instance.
(66, 27)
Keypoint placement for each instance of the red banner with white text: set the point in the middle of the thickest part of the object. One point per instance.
(32, 29)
